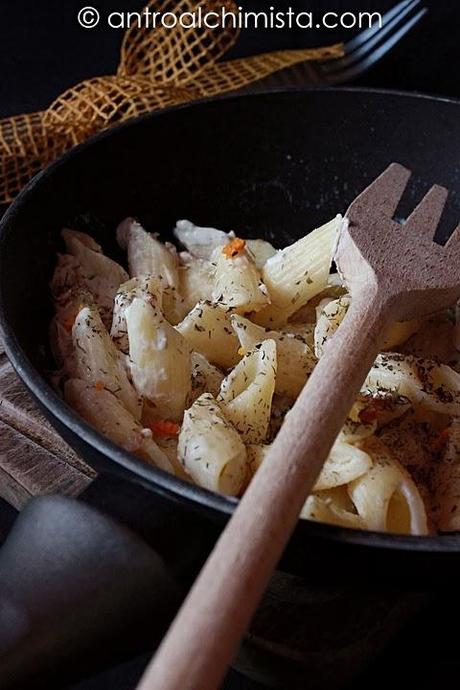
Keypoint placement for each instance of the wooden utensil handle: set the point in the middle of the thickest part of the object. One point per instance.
(205, 635)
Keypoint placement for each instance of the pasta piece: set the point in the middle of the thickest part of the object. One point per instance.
(296, 274)
(324, 507)
(260, 252)
(100, 275)
(372, 412)
(409, 442)
(435, 339)
(74, 238)
(145, 287)
(271, 317)
(424, 382)
(62, 324)
(445, 483)
(206, 378)
(237, 283)
(97, 272)
(361, 421)
(210, 449)
(98, 362)
(182, 319)
(200, 242)
(104, 412)
(169, 448)
(330, 316)
(196, 284)
(344, 464)
(295, 358)
(66, 278)
(399, 333)
(386, 497)
(146, 255)
(305, 332)
(333, 291)
(246, 394)
(159, 360)
(255, 455)
(208, 330)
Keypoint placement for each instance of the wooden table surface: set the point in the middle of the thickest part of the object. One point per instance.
(34, 460)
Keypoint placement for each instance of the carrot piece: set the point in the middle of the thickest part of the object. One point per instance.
(99, 386)
(163, 427)
(70, 320)
(234, 248)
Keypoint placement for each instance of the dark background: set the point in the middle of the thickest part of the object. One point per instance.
(43, 51)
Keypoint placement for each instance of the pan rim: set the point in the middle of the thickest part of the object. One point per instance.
(220, 507)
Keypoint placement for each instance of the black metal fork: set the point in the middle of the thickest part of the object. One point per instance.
(360, 53)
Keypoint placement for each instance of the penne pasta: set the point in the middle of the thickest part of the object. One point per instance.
(98, 362)
(159, 360)
(298, 273)
(386, 498)
(74, 239)
(67, 309)
(208, 330)
(333, 291)
(196, 284)
(424, 382)
(210, 347)
(146, 254)
(344, 464)
(324, 507)
(445, 482)
(246, 394)
(169, 447)
(295, 358)
(237, 283)
(206, 378)
(210, 449)
(89, 268)
(260, 252)
(200, 242)
(435, 339)
(104, 412)
(329, 317)
(145, 287)
(330, 314)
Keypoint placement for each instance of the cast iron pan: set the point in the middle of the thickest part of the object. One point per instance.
(267, 165)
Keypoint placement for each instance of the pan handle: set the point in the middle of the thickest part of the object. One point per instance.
(79, 590)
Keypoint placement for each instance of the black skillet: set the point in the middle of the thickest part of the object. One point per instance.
(267, 165)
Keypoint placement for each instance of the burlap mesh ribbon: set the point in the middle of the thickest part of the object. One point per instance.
(158, 68)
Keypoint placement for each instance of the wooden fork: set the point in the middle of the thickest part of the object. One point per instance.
(394, 272)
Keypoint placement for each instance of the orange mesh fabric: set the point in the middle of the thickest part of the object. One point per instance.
(158, 68)
(98, 103)
(176, 55)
